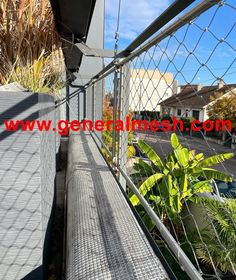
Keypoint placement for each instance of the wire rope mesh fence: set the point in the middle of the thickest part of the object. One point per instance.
(27, 188)
(164, 103)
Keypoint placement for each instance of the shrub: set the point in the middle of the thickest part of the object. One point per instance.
(178, 179)
(220, 235)
(167, 117)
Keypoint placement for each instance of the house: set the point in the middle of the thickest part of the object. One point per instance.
(148, 88)
(193, 100)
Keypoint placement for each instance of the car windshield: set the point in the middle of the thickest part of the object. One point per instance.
(232, 184)
(222, 185)
(227, 189)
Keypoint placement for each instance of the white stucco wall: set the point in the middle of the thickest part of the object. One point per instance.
(149, 88)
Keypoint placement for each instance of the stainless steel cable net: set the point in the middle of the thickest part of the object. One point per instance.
(186, 176)
(27, 189)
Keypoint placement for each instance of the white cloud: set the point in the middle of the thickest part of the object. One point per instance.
(135, 16)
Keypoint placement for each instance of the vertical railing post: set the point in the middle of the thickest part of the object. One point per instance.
(93, 104)
(123, 113)
(84, 93)
(116, 88)
(67, 99)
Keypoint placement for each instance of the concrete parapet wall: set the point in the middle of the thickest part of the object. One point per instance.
(27, 174)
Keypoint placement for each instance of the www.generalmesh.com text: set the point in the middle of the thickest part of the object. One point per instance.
(64, 126)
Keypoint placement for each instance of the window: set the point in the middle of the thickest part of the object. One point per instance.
(179, 112)
(196, 114)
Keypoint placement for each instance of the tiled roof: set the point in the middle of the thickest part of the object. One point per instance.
(189, 96)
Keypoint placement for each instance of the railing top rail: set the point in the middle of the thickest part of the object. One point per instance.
(172, 11)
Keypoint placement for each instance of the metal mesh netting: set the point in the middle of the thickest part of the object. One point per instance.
(27, 189)
(179, 74)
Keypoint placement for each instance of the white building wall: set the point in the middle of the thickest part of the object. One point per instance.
(202, 116)
(148, 89)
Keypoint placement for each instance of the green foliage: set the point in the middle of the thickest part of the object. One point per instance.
(215, 159)
(167, 117)
(174, 265)
(107, 140)
(42, 75)
(178, 179)
(151, 154)
(130, 151)
(223, 107)
(107, 135)
(146, 187)
(187, 121)
(30, 51)
(220, 239)
(107, 156)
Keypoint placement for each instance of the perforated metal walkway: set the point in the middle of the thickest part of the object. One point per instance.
(104, 240)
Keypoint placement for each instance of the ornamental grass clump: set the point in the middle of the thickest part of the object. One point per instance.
(30, 51)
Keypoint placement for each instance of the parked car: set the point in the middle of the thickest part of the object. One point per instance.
(226, 188)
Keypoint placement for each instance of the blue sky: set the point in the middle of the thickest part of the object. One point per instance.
(136, 15)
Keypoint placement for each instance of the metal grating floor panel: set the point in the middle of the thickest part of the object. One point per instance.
(104, 240)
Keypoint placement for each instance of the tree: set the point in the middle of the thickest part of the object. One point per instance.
(107, 135)
(223, 107)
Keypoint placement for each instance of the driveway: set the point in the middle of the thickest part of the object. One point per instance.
(160, 141)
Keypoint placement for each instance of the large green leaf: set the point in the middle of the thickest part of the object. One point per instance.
(182, 156)
(175, 141)
(210, 173)
(148, 222)
(163, 189)
(202, 186)
(215, 159)
(170, 166)
(183, 185)
(149, 183)
(171, 157)
(155, 198)
(172, 185)
(172, 191)
(177, 204)
(146, 187)
(199, 157)
(143, 167)
(151, 154)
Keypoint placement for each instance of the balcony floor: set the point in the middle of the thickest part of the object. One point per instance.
(104, 240)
